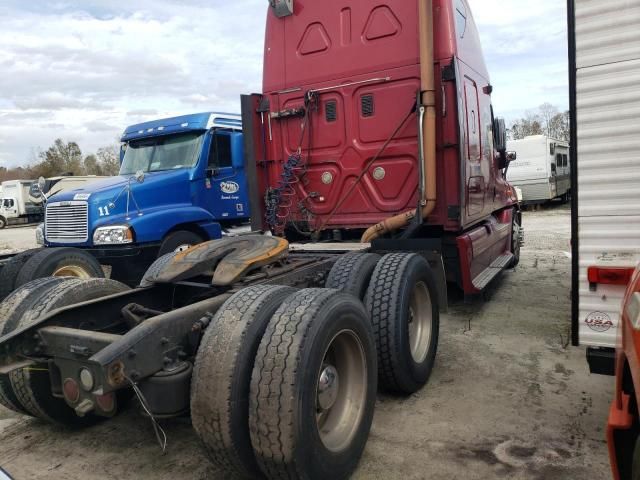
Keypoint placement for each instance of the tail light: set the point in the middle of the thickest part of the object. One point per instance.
(71, 390)
(106, 402)
(609, 276)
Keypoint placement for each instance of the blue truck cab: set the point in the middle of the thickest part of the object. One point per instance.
(181, 182)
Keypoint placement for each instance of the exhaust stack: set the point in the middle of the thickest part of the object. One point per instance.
(428, 134)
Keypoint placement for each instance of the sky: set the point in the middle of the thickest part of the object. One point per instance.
(83, 70)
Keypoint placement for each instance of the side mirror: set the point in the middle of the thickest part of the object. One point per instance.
(500, 133)
(41, 183)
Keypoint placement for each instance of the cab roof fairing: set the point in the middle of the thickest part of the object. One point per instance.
(182, 124)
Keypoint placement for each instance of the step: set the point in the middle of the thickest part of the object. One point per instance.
(489, 273)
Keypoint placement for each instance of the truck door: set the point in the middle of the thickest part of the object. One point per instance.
(476, 182)
(226, 195)
(10, 208)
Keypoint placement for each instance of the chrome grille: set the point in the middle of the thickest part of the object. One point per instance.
(66, 222)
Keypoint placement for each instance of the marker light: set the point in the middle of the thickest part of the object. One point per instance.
(609, 275)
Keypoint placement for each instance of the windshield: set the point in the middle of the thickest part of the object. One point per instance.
(163, 153)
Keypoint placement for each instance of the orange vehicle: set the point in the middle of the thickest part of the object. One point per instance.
(623, 430)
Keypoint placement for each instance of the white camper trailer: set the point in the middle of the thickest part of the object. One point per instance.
(541, 170)
(605, 107)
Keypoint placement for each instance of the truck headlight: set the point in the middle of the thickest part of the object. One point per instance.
(113, 235)
(40, 234)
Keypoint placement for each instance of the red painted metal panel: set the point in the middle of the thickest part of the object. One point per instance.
(331, 46)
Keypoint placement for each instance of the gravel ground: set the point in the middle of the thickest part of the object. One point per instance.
(15, 239)
(508, 399)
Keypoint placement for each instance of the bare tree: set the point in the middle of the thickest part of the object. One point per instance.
(109, 160)
(547, 120)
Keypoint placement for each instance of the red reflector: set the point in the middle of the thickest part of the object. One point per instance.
(71, 390)
(610, 275)
(106, 402)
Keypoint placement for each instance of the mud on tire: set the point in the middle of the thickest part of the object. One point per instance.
(317, 355)
(402, 300)
(222, 376)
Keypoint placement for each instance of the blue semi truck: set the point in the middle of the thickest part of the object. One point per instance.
(182, 181)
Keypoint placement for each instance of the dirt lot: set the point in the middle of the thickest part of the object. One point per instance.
(14, 239)
(508, 399)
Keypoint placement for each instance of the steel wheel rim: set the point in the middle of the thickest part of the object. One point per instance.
(340, 403)
(71, 271)
(420, 320)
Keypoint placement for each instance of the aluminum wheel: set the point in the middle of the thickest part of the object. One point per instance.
(420, 320)
(341, 391)
(71, 271)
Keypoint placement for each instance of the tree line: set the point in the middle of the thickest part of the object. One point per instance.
(66, 158)
(546, 120)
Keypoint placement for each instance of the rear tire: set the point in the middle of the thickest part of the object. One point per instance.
(313, 387)
(33, 385)
(155, 268)
(9, 273)
(352, 273)
(178, 242)
(14, 306)
(222, 376)
(60, 262)
(402, 300)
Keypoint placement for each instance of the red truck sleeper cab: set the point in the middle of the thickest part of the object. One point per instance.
(361, 60)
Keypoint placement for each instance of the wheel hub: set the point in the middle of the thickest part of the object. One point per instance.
(341, 391)
(71, 271)
(420, 319)
(328, 386)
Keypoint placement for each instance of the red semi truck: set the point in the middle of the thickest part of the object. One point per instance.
(377, 165)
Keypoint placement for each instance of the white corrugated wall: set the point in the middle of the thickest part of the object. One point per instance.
(608, 116)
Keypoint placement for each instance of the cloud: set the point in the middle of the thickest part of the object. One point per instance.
(526, 51)
(97, 66)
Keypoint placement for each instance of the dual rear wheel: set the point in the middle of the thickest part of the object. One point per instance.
(285, 381)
